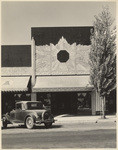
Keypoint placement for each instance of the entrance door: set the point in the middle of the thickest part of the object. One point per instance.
(64, 103)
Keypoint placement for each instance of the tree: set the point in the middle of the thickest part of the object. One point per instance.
(103, 56)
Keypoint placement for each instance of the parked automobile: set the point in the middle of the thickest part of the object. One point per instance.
(28, 113)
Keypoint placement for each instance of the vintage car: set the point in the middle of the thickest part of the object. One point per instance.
(28, 113)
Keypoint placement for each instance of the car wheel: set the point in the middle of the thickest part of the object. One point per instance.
(29, 122)
(4, 122)
(48, 125)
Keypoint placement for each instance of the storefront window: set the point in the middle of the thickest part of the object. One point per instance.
(45, 98)
(84, 100)
(22, 97)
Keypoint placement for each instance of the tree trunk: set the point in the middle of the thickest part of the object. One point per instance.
(103, 107)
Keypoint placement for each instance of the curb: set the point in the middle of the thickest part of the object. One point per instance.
(82, 120)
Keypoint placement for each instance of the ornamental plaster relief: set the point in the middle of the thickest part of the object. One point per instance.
(48, 64)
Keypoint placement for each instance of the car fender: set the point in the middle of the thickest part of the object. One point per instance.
(7, 117)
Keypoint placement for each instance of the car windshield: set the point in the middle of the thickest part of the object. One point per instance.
(34, 105)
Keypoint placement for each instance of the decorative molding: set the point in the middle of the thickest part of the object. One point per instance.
(15, 71)
(63, 89)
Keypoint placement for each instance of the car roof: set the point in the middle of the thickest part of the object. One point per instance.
(24, 102)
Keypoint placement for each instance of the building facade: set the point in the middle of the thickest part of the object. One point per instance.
(54, 70)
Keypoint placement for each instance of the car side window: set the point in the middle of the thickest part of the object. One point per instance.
(18, 106)
(23, 106)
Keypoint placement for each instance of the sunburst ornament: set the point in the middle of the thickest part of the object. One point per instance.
(63, 64)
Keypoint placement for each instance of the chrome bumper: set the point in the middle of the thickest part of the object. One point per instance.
(45, 121)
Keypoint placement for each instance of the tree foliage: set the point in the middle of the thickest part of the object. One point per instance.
(103, 54)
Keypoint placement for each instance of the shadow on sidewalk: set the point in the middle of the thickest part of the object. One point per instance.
(36, 127)
(71, 115)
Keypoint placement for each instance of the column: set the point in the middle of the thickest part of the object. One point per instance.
(33, 64)
(93, 102)
(98, 103)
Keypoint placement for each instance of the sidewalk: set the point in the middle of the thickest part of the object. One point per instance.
(66, 119)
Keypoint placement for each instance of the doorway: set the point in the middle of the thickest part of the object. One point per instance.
(64, 103)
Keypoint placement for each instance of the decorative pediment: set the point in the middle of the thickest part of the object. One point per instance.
(62, 40)
(62, 58)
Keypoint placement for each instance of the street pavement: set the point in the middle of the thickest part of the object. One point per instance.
(67, 132)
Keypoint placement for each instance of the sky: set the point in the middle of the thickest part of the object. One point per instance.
(18, 17)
